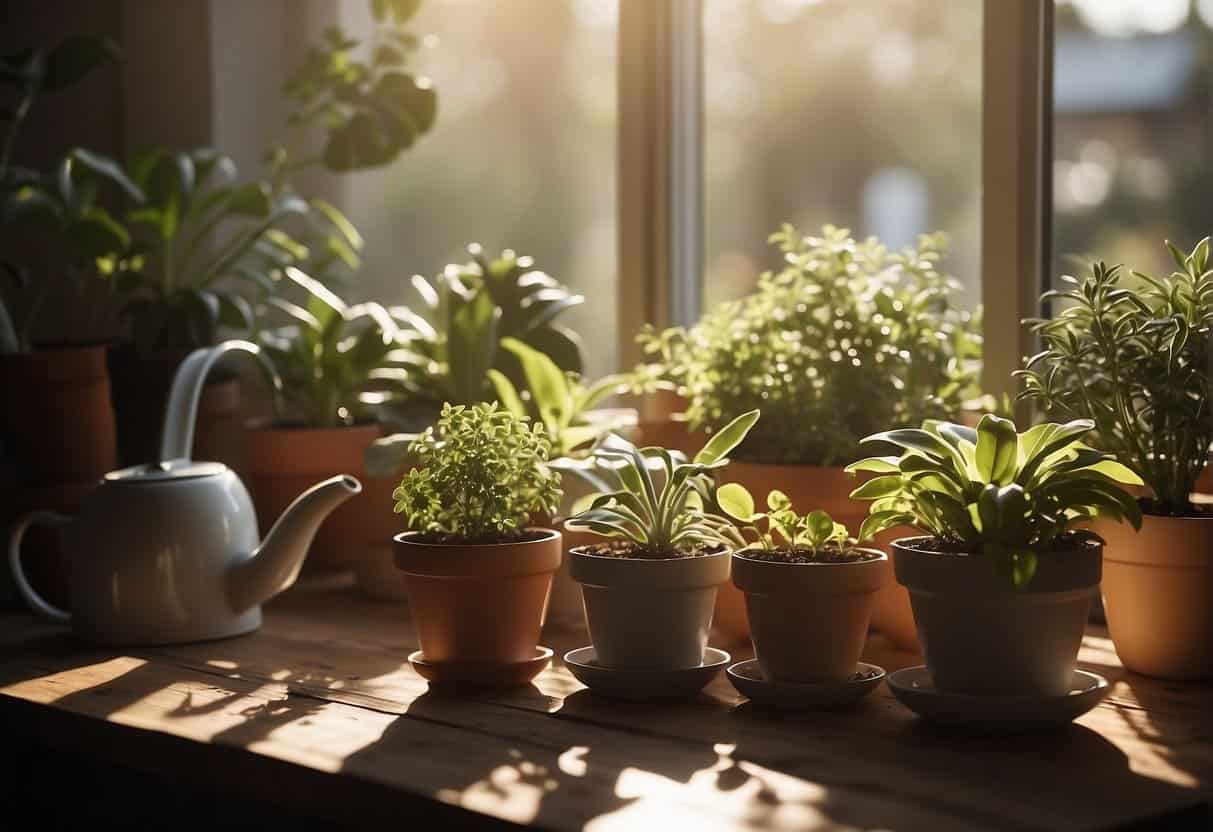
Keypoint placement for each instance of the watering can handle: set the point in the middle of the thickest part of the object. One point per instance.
(177, 436)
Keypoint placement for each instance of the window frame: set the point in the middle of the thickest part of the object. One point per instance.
(660, 172)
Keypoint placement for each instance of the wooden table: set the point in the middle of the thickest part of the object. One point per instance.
(320, 710)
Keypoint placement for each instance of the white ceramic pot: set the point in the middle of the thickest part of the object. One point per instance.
(809, 620)
(649, 614)
(1158, 595)
(982, 635)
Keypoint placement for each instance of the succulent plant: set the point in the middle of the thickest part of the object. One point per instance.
(846, 338)
(994, 491)
(666, 514)
(1133, 357)
(480, 476)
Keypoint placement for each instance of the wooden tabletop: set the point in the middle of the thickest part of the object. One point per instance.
(322, 703)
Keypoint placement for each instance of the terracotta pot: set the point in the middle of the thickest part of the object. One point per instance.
(813, 487)
(981, 635)
(44, 558)
(481, 604)
(141, 384)
(809, 620)
(283, 462)
(1158, 595)
(649, 614)
(58, 418)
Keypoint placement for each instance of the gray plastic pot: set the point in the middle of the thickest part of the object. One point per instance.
(649, 614)
(809, 620)
(982, 635)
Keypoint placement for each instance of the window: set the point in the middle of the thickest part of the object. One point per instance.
(522, 155)
(1133, 131)
(860, 113)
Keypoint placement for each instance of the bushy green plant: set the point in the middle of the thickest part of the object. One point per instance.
(994, 491)
(558, 399)
(1135, 360)
(370, 109)
(468, 310)
(780, 527)
(664, 515)
(845, 338)
(480, 476)
(329, 355)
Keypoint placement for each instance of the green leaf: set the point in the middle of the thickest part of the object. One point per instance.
(878, 487)
(547, 383)
(820, 527)
(736, 501)
(339, 221)
(105, 168)
(471, 343)
(507, 394)
(727, 438)
(880, 521)
(997, 449)
(1117, 471)
(875, 464)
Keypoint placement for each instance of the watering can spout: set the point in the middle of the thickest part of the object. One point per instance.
(276, 563)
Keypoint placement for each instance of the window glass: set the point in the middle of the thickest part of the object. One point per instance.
(1133, 132)
(860, 113)
(522, 155)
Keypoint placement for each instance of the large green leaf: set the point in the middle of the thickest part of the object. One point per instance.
(507, 394)
(471, 344)
(997, 449)
(736, 501)
(548, 385)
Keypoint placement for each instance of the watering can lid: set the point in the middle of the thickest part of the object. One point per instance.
(172, 469)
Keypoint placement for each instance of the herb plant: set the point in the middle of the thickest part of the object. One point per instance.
(1134, 359)
(779, 528)
(481, 475)
(994, 491)
(845, 338)
(665, 515)
(330, 354)
(468, 310)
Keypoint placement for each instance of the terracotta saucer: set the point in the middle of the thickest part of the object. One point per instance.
(481, 674)
(644, 685)
(750, 681)
(996, 714)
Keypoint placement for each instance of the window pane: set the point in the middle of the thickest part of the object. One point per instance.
(860, 113)
(1133, 138)
(522, 155)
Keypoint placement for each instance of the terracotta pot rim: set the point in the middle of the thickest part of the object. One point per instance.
(766, 578)
(548, 534)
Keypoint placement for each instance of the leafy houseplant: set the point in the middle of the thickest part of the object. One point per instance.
(649, 592)
(1132, 355)
(801, 573)
(478, 578)
(469, 309)
(1002, 572)
(845, 338)
(327, 355)
(56, 418)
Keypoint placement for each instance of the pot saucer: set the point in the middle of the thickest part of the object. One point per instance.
(481, 674)
(749, 680)
(643, 685)
(996, 714)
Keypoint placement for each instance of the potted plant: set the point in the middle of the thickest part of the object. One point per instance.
(1002, 582)
(846, 338)
(328, 357)
(570, 412)
(57, 420)
(478, 576)
(1133, 356)
(650, 591)
(801, 574)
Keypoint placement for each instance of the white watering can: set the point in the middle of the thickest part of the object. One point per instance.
(169, 552)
